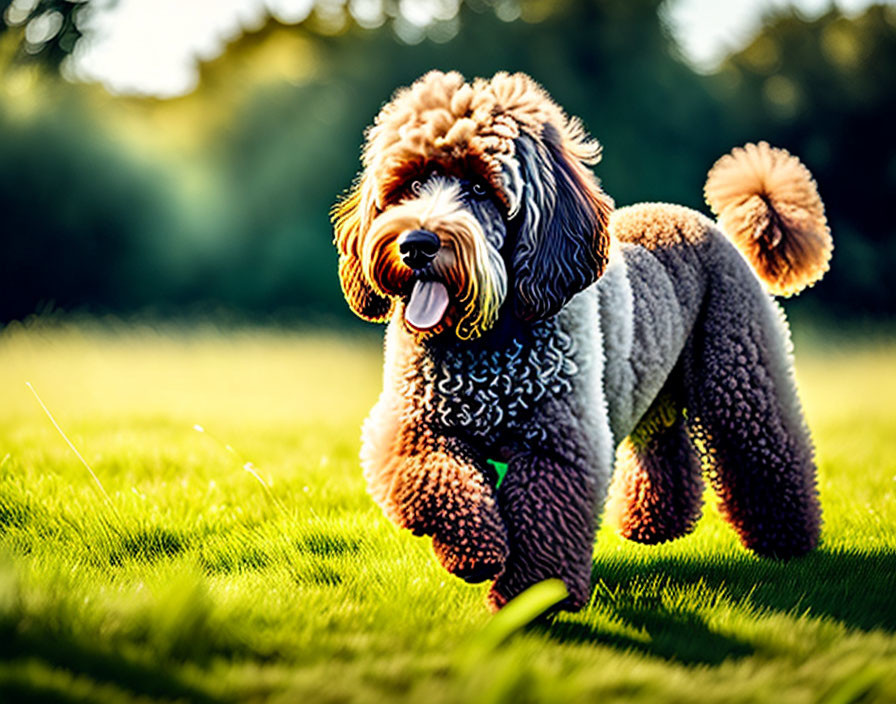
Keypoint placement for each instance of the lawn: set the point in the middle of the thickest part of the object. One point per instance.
(233, 555)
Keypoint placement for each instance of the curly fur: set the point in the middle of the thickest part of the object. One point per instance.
(769, 204)
(569, 330)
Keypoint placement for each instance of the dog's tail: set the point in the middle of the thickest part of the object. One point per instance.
(766, 201)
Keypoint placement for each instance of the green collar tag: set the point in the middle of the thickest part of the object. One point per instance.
(501, 469)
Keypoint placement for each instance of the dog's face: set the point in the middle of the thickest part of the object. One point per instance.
(472, 195)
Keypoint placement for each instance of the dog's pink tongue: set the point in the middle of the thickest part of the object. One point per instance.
(429, 299)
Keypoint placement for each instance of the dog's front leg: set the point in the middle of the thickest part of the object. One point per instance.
(430, 484)
(549, 499)
(439, 491)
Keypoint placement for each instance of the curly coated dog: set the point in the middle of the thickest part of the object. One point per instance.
(532, 325)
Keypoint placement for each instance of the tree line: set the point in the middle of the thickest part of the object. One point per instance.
(235, 213)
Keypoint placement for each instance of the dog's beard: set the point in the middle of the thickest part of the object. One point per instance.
(464, 286)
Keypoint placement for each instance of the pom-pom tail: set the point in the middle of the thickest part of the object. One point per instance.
(767, 202)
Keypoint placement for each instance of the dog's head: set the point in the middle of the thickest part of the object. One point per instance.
(472, 195)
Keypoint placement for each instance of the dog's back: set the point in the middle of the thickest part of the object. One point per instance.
(650, 296)
(698, 365)
(478, 230)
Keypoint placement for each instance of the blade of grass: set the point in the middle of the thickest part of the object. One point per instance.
(74, 449)
(517, 614)
(249, 467)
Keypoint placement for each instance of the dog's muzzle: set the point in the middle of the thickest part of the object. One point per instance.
(429, 299)
(418, 248)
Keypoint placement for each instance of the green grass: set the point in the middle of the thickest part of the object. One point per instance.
(201, 583)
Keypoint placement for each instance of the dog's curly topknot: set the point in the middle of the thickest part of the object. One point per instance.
(767, 202)
(442, 119)
(547, 351)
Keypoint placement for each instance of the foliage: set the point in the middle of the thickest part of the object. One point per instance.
(222, 197)
(826, 89)
(205, 585)
(84, 224)
(49, 28)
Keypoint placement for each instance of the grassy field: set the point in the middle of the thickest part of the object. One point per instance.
(236, 556)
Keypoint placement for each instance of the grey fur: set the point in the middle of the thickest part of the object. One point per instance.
(677, 341)
(554, 398)
(504, 347)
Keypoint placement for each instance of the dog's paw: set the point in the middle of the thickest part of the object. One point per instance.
(415, 509)
(474, 551)
(443, 492)
(470, 565)
(418, 522)
(513, 582)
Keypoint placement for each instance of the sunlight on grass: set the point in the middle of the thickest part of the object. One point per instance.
(247, 562)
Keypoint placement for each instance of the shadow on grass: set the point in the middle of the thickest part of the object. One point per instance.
(14, 513)
(48, 645)
(148, 545)
(682, 636)
(103, 667)
(852, 587)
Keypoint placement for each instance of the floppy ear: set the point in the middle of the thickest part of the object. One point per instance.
(361, 298)
(562, 244)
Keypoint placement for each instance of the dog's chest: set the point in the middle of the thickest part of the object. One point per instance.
(483, 391)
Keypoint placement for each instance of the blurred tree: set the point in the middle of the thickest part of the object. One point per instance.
(83, 225)
(290, 150)
(49, 28)
(826, 90)
(231, 205)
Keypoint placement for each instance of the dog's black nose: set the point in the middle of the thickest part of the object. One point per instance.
(418, 248)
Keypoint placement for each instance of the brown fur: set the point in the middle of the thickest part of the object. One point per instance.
(767, 202)
(678, 348)
(441, 119)
(463, 129)
(659, 225)
(657, 490)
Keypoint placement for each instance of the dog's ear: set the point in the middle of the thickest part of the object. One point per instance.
(347, 216)
(562, 244)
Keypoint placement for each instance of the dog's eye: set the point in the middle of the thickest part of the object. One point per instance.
(479, 190)
(416, 187)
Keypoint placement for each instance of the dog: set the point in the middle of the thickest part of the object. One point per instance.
(590, 350)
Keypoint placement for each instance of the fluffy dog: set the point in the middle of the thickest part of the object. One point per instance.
(531, 324)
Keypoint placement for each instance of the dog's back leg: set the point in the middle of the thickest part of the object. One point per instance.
(745, 414)
(657, 489)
